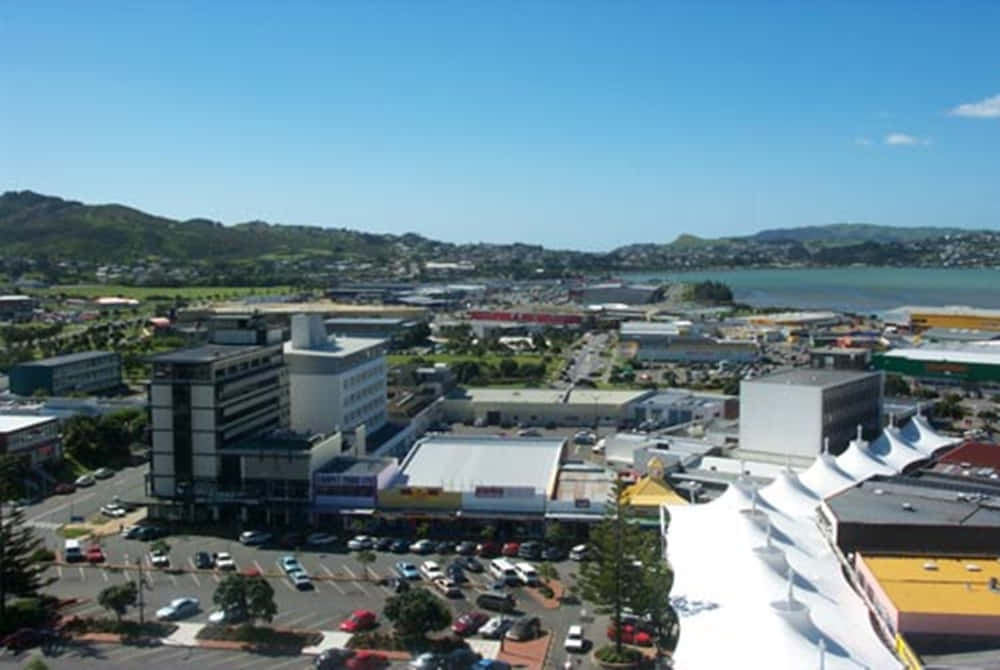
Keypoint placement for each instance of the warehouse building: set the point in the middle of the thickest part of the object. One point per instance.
(541, 407)
(33, 440)
(84, 372)
(393, 330)
(952, 316)
(659, 341)
(970, 364)
(915, 514)
(617, 292)
(795, 412)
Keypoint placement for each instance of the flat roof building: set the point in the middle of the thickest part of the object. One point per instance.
(541, 407)
(958, 364)
(797, 411)
(84, 372)
(617, 292)
(680, 341)
(31, 439)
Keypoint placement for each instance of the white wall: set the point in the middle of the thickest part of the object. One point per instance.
(162, 395)
(780, 419)
(316, 402)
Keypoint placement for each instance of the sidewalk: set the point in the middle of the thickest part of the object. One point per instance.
(186, 635)
(331, 639)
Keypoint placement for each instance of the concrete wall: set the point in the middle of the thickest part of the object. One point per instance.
(780, 419)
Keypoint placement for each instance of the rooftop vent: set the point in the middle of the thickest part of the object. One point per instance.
(972, 567)
(930, 565)
(907, 506)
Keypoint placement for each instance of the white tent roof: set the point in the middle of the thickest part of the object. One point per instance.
(893, 450)
(788, 494)
(824, 477)
(860, 463)
(920, 434)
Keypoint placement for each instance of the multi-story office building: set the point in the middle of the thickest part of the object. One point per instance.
(204, 399)
(32, 439)
(337, 384)
(84, 372)
(793, 412)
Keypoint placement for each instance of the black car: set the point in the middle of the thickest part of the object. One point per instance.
(531, 550)
(554, 554)
(146, 533)
(460, 659)
(384, 543)
(398, 585)
(399, 546)
(444, 547)
(525, 628)
(203, 560)
(455, 572)
(469, 563)
(467, 548)
(332, 659)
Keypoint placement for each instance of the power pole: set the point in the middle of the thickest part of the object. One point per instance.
(141, 586)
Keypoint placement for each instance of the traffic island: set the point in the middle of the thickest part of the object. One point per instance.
(111, 631)
(259, 639)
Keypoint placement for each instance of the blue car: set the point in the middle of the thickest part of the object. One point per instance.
(489, 664)
(407, 570)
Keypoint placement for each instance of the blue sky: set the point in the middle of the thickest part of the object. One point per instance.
(573, 124)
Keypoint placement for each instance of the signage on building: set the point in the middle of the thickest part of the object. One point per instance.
(420, 491)
(504, 492)
(582, 503)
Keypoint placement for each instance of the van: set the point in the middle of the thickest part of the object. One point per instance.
(72, 551)
(527, 574)
(497, 601)
(504, 570)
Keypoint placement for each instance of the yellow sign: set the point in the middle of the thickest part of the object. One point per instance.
(907, 655)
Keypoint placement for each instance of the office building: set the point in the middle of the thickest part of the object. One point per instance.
(84, 372)
(840, 358)
(336, 383)
(17, 308)
(205, 398)
(33, 440)
(795, 412)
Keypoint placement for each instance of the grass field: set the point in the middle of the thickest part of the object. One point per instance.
(144, 292)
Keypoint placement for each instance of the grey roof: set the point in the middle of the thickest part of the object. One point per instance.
(811, 377)
(205, 353)
(934, 500)
(365, 321)
(350, 465)
(462, 463)
(66, 359)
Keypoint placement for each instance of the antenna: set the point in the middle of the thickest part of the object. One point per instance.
(859, 432)
(826, 445)
(791, 585)
(822, 654)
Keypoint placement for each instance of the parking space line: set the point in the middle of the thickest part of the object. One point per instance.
(104, 573)
(83, 575)
(216, 577)
(226, 658)
(173, 580)
(257, 565)
(289, 585)
(195, 578)
(59, 570)
(299, 619)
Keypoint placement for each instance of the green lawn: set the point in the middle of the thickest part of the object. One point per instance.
(144, 292)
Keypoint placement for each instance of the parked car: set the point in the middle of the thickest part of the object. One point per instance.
(444, 547)
(488, 549)
(85, 480)
(290, 564)
(531, 550)
(159, 559)
(467, 548)
(255, 537)
(366, 660)
(469, 623)
(490, 664)
(224, 561)
(332, 659)
(358, 621)
(26, 638)
(510, 549)
(430, 570)
(178, 608)
(320, 539)
(422, 547)
(230, 616)
(203, 560)
(495, 627)
(525, 628)
(455, 572)
(580, 552)
(574, 640)
(447, 586)
(64, 488)
(291, 540)
(632, 633)
(301, 580)
(360, 543)
(585, 437)
(398, 585)
(527, 574)
(407, 570)
(470, 563)
(427, 661)
(95, 554)
(104, 473)
(460, 659)
(399, 546)
(383, 543)
(529, 432)
(147, 533)
(112, 510)
(552, 553)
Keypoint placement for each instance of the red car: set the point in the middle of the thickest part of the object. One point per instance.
(63, 489)
(250, 572)
(359, 620)
(510, 549)
(469, 623)
(95, 554)
(366, 660)
(25, 638)
(488, 549)
(632, 635)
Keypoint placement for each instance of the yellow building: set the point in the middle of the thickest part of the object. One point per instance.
(647, 494)
(923, 318)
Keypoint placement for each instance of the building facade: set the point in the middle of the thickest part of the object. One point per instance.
(34, 440)
(654, 341)
(337, 384)
(85, 372)
(204, 399)
(975, 365)
(794, 412)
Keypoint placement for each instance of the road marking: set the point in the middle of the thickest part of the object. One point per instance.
(216, 577)
(104, 573)
(195, 578)
(83, 575)
(227, 658)
(173, 579)
(257, 565)
(59, 570)
(300, 619)
(60, 508)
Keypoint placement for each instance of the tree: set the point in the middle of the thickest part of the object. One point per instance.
(508, 368)
(547, 572)
(159, 547)
(20, 573)
(896, 386)
(118, 598)
(36, 663)
(609, 580)
(364, 559)
(557, 535)
(417, 612)
(252, 595)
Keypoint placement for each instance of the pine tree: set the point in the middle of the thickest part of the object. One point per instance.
(20, 574)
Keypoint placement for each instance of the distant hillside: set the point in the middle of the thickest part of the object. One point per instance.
(851, 233)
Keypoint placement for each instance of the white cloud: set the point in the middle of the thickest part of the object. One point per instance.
(863, 141)
(902, 140)
(988, 108)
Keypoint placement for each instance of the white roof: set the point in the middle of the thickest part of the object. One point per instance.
(824, 477)
(893, 450)
(462, 463)
(10, 423)
(920, 434)
(789, 494)
(860, 463)
(982, 353)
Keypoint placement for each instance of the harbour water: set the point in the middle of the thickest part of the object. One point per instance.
(862, 290)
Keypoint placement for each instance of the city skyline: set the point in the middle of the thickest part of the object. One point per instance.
(573, 126)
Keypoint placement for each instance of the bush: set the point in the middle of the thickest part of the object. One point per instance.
(546, 591)
(376, 640)
(26, 613)
(608, 654)
(261, 636)
(127, 629)
(43, 555)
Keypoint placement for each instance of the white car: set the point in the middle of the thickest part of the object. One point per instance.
(85, 480)
(360, 542)
(574, 639)
(252, 537)
(320, 539)
(495, 628)
(113, 510)
(579, 553)
(159, 559)
(422, 547)
(301, 580)
(224, 561)
(431, 570)
(178, 609)
(223, 616)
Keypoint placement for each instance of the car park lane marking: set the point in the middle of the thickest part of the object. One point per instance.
(83, 575)
(333, 581)
(357, 582)
(60, 508)
(173, 580)
(217, 662)
(257, 565)
(104, 573)
(59, 570)
(299, 619)
(288, 583)
(196, 580)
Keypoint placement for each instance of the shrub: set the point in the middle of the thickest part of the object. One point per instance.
(608, 654)
(546, 591)
(43, 555)
(25, 613)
